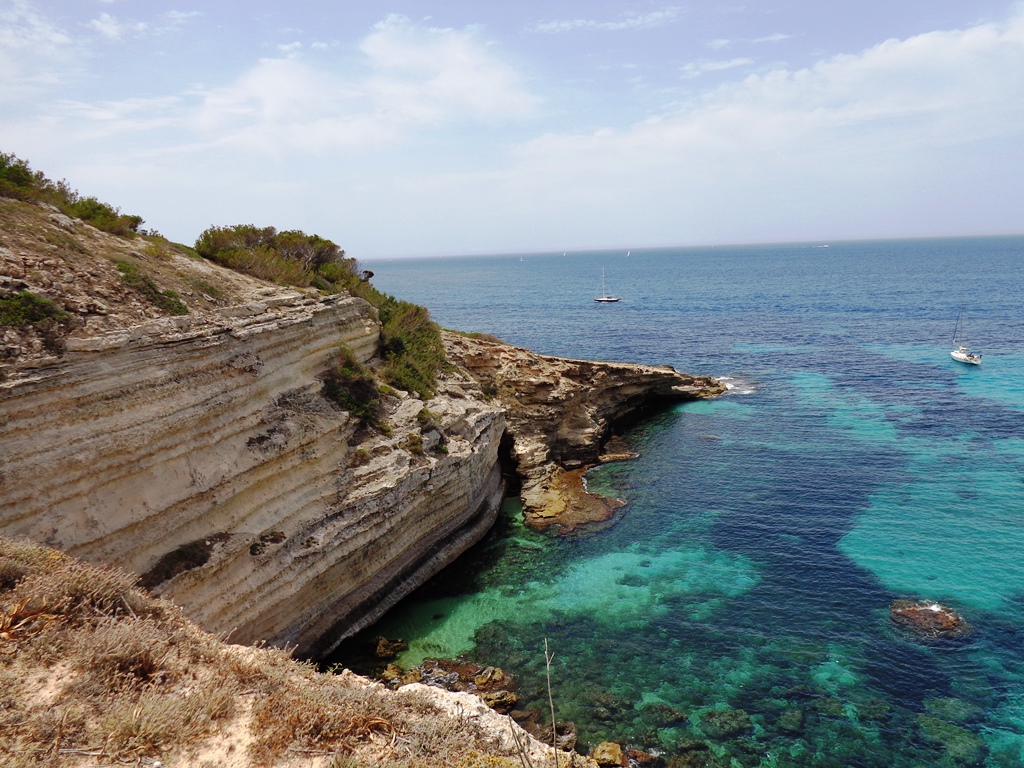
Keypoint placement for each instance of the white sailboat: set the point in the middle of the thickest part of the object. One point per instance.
(961, 352)
(604, 298)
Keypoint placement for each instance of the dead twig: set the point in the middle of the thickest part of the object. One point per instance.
(548, 657)
(19, 624)
(520, 747)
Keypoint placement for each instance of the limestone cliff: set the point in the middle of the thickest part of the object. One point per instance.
(198, 452)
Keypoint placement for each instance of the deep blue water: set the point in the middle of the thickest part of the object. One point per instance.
(766, 532)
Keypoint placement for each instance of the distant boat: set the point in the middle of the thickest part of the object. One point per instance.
(604, 297)
(962, 353)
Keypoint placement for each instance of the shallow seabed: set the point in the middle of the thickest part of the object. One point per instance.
(741, 598)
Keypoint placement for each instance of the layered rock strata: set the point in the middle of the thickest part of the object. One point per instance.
(198, 451)
(206, 459)
(560, 412)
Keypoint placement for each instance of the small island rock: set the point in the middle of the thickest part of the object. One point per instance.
(929, 620)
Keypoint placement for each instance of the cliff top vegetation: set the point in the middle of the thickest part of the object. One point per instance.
(19, 181)
(411, 346)
(114, 275)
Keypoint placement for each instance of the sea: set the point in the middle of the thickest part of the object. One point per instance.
(737, 611)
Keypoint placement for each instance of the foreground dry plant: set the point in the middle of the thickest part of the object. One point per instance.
(93, 670)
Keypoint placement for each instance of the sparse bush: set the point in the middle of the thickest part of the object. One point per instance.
(426, 419)
(414, 443)
(26, 309)
(123, 678)
(360, 457)
(351, 386)
(20, 558)
(169, 301)
(19, 181)
(77, 590)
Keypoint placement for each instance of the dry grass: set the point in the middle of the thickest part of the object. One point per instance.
(93, 671)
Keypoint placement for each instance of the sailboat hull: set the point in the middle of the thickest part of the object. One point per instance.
(964, 355)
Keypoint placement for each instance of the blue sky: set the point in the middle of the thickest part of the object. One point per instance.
(416, 127)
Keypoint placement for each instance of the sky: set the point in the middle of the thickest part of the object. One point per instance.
(429, 127)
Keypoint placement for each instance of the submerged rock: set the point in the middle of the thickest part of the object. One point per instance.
(791, 720)
(954, 710)
(389, 649)
(962, 746)
(929, 620)
(725, 723)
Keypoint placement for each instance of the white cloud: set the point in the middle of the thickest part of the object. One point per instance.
(778, 37)
(698, 68)
(34, 52)
(112, 29)
(177, 18)
(407, 78)
(427, 74)
(718, 44)
(646, 21)
(843, 138)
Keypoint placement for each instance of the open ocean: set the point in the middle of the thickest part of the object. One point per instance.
(766, 532)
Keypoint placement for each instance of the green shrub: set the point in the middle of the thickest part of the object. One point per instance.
(26, 309)
(410, 340)
(411, 346)
(351, 386)
(287, 258)
(168, 301)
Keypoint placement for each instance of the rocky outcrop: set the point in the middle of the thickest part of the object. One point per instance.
(927, 620)
(560, 412)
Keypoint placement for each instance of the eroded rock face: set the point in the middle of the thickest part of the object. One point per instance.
(198, 452)
(202, 456)
(559, 414)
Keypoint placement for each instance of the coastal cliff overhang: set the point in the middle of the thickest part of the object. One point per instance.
(560, 412)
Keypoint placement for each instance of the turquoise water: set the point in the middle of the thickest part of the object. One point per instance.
(853, 462)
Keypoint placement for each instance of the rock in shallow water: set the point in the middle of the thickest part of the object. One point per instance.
(929, 620)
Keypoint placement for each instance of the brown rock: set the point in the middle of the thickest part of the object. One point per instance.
(559, 412)
(565, 739)
(608, 753)
(391, 673)
(500, 701)
(929, 620)
(491, 678)
(389, 649)
(642, 759)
